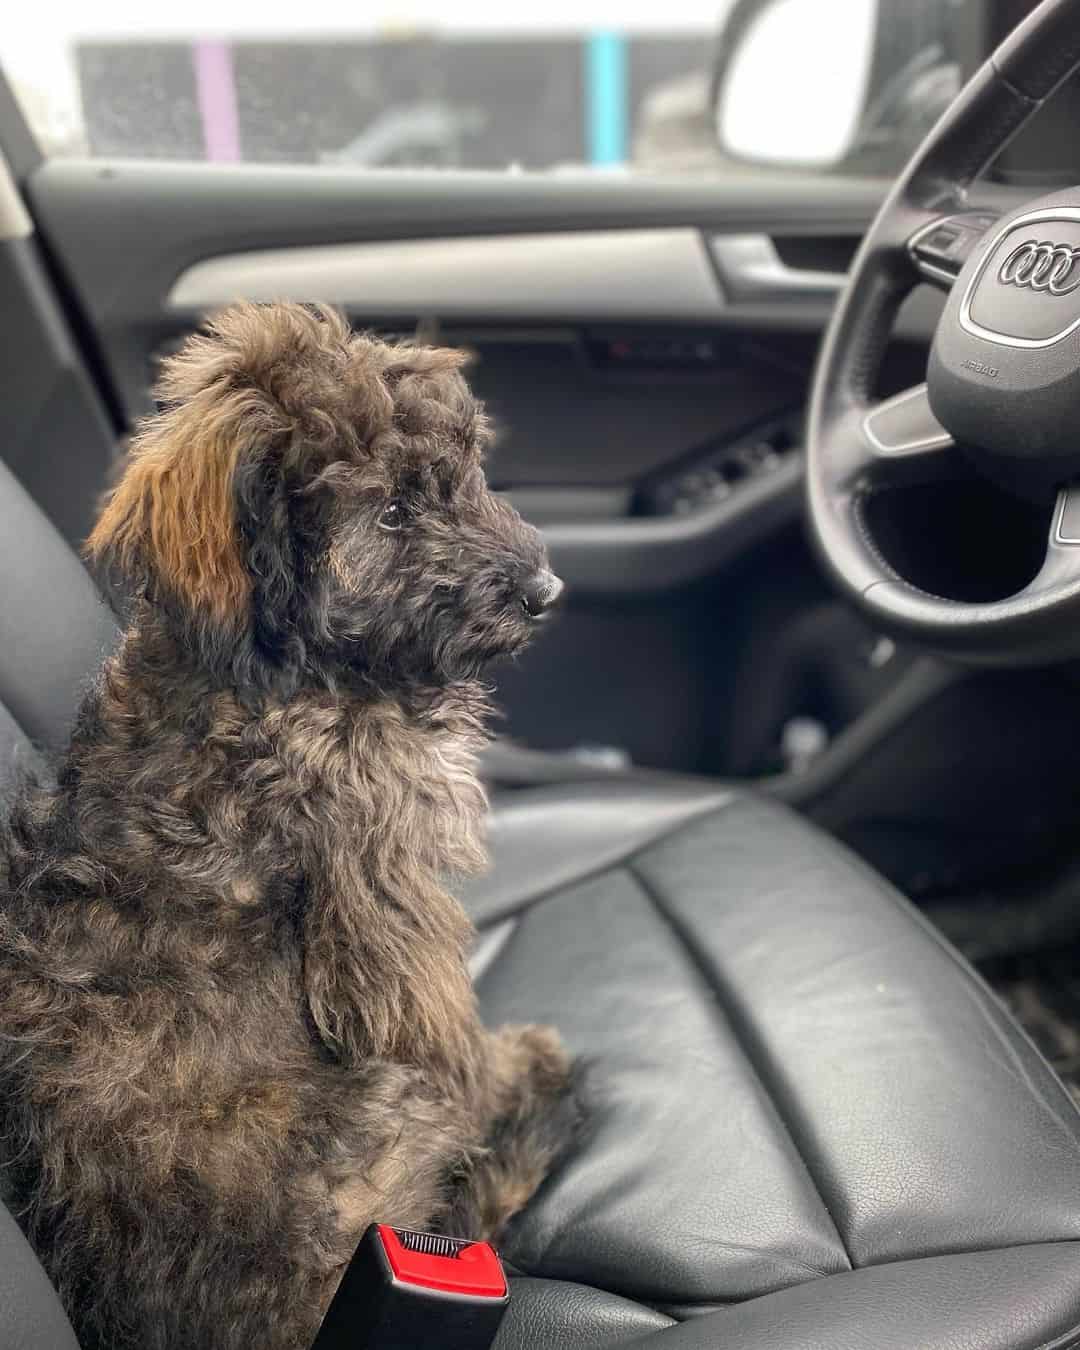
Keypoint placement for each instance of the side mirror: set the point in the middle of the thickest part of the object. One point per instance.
(852, 84)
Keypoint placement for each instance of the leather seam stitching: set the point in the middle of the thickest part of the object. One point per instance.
(898, 1261)
(635, 848)
(838, 853)
(737, 1022)
(1005, 1025)
(1068, 1340)
(518, 1273)
(944, 1255)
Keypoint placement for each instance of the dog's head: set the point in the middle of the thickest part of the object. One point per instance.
(314, 500)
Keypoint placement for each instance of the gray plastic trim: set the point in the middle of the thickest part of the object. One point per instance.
(754, 271)
(925, 680)
(590, 273)
(925, 432)
(1060, 536)
(645, 555)
(15, 222)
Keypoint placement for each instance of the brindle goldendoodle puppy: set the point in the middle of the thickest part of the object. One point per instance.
(236, 1025)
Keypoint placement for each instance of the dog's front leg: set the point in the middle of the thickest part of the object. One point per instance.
(385, 974)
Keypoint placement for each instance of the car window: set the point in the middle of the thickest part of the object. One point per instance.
(558, 86)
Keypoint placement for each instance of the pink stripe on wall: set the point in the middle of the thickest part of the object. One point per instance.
(215, 87)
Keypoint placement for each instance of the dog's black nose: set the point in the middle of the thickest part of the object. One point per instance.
(541, 593)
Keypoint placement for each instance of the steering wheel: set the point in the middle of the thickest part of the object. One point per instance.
(1002, 394)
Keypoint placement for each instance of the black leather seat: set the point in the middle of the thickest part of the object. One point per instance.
(812, 1126)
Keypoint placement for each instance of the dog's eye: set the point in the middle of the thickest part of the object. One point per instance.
(393, 517)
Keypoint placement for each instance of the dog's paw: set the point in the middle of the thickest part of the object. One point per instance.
(540, 1057)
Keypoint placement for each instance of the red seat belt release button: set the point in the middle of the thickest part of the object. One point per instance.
(403, 1290)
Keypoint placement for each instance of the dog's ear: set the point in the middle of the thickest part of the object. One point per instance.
(233, 400)
(272, 555)
(170, 523)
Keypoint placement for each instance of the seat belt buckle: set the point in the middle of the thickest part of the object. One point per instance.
(403, 1290)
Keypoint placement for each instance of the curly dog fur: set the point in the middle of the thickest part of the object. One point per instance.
(236, 1024)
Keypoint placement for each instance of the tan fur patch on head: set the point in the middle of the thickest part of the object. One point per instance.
(172, 509)
(227, 396)
(282, 378)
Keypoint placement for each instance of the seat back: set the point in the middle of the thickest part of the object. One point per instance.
(54, 632)
(54, 629)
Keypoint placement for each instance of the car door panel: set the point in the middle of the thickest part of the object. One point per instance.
(638, 341)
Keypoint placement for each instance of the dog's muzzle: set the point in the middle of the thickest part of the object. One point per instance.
(541, 593)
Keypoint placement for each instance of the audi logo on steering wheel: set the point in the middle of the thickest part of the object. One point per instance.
(1042, 266)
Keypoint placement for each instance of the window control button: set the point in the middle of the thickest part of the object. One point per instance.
(947, 244)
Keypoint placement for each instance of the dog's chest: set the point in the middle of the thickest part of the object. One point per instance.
(375, 778)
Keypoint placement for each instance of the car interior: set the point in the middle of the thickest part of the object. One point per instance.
(785, 833)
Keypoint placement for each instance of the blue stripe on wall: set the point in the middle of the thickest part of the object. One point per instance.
(606, 97)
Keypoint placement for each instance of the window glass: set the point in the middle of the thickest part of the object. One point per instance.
(562, 86)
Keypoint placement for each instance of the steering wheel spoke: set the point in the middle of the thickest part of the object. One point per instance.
(904, 426)
(1062, 564)
(899, 440)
